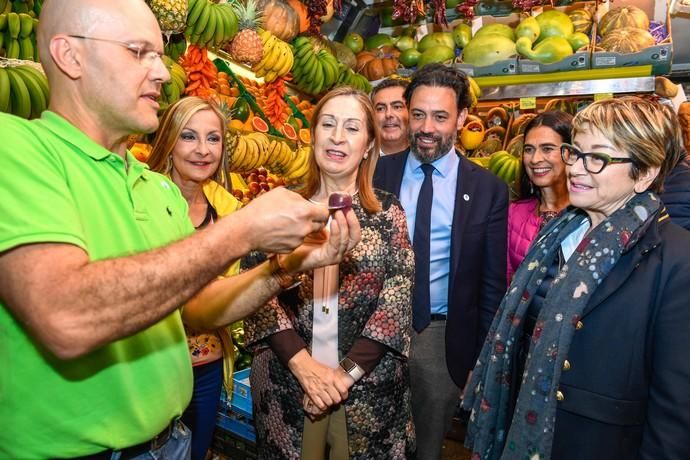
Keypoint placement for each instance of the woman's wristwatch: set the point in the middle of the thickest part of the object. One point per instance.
(352, 369)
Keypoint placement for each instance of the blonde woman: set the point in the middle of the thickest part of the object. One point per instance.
(189, 149)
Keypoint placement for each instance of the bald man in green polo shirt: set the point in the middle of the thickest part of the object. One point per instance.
(99, 264)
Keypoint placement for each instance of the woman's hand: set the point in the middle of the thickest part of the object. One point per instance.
(324, 386)
(321, 249)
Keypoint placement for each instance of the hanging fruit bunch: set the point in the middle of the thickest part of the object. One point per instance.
(201, 72)
(408, 10)
(210, 23)
(18, 26)
(277, 59)
(174, 89)
(466, 8)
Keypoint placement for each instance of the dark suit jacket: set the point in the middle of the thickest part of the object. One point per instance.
(477, 280)
(627, 391)
(676, 194)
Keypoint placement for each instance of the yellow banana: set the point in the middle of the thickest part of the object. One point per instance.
(289, 61)
(19, 95)
(38, 100)
(4, 90)
(238, 154)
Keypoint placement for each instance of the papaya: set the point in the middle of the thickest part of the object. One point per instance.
(554, 23)
(377, 41)
(437, 54)
(578, 40)
(488, 49)
(548, 51)
(529, 28)
(462, 34)
(410, 58)
(496, 29)
(436, 39)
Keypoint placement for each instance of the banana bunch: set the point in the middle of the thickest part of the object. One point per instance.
(172, 90)
(17, 36)
(475, 92)
(505, 165)
(23, 91)
(175, 46)
(351, 78)
(210, 24)
(280, 156)
(314, 71)
(247, 151)
(299, 168)
(277, 60)
(32, 7)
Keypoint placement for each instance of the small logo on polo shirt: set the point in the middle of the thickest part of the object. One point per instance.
(165, 184)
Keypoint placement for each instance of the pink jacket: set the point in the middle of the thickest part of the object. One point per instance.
(523, 226)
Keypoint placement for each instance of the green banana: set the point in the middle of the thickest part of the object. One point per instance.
(13, 24)
(3, 21)
(21, 101)
(7, 8)
(12, 48)
(202, 22)
(37, 56)
(4, 90)
(210, 29)
(3, 4)
(219, 34)
(40, 79)
(26, 25)
(38, 100)
(194, 11)
(20, 6)
(302, 51)
(26, 49)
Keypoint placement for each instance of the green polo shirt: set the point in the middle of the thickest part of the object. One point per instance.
(58, 186)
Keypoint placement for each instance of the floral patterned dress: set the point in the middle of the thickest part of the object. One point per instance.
(375, 294)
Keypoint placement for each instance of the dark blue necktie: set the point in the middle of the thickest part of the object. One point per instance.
(421, 310)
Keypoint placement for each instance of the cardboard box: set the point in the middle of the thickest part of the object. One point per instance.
(660, 56)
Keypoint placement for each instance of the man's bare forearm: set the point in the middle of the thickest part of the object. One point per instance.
(75, 306)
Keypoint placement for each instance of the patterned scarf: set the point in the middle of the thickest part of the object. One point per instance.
(531, 432)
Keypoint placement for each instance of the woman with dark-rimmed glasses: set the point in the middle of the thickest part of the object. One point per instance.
(583, 359)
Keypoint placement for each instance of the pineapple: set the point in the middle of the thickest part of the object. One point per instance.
(247, 45)
(171, 14)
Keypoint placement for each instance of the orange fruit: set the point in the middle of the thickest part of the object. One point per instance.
(289, 132)
(259, 125)
(237, 124)
(305, 135)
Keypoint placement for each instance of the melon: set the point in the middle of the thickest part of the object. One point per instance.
(436, 39)
(437, 54)
(554, 23)
(496, 29)
(488, 49)
(582, 20)
(627, 40)
(623, 16)
(377, 41)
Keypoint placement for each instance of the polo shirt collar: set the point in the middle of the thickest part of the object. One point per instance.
(445, 165)
(62, 128)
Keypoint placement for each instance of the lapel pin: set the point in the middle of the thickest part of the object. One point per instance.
(466, 197)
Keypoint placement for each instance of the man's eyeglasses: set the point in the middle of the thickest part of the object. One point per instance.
(593, 162)
(146, 57)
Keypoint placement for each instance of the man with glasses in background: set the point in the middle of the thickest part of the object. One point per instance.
(97, 254)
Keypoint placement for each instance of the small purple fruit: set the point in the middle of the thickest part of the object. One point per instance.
(339, 200)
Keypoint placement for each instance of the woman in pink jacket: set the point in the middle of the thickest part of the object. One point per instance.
(541, 187)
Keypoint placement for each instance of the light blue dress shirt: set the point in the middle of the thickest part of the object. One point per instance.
(445, 180)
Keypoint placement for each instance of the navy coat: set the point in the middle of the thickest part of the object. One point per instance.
(477, 280)
(676, 194)
(626, 394)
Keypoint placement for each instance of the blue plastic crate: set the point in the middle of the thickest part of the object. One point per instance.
(241, 399)
(237, 424)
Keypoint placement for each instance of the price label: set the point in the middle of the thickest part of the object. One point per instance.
(603, 96)
(527, 103)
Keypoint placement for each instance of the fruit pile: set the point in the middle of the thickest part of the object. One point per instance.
(315, 69)
(18, 24)
(277, 59)
(23, 91)
(174, 89)
(209, 23)
(258, 181)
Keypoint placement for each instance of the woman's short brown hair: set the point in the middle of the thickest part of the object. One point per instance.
(365, 173)
(633, 125)
(172, 123)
